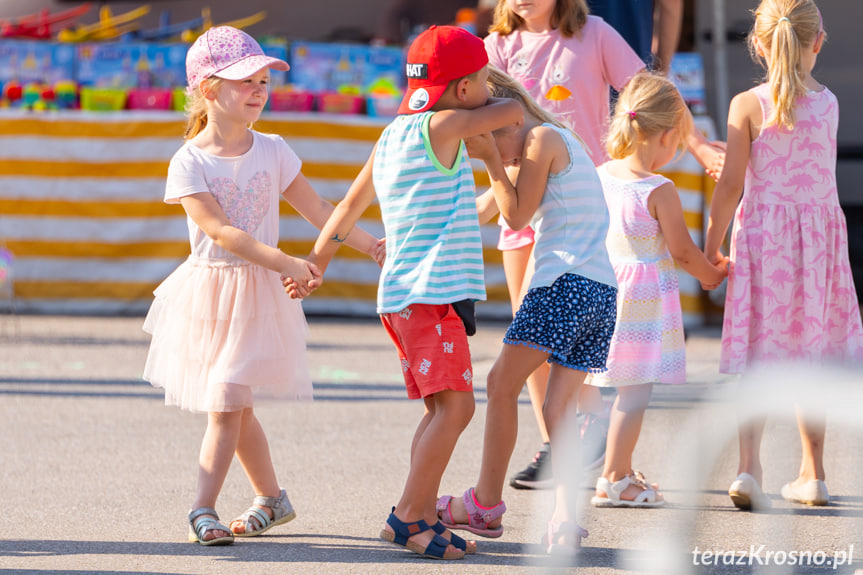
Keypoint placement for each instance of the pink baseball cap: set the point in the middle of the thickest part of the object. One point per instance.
(436, 57)
(227, 53)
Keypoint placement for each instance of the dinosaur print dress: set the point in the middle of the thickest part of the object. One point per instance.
(790, 293)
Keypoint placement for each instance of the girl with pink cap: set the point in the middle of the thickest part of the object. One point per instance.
(224, 332)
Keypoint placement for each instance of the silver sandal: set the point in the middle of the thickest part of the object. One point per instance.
(207, 520)
(282, 513)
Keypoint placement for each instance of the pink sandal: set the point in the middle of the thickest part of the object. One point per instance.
(478, 516)
(570, 532)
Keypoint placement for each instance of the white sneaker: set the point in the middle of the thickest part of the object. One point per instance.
(810, 493)
(747, 494)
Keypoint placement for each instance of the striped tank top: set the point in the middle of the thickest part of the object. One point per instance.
(434, 248)
(571, 222)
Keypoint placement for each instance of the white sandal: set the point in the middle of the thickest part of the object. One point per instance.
(282, 513)
(647, 498)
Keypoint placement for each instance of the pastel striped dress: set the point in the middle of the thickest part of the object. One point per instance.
(648, 344)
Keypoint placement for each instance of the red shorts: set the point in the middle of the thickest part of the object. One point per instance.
(433, 349)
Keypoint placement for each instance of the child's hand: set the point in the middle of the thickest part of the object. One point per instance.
(300, 278)
(714, 157)
(380, 252)
(721, 266)
(481, 147)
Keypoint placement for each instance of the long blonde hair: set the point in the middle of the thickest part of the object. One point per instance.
(569, 16)
(502, 85)
(196, 108)
(650, 104)
(783, 28)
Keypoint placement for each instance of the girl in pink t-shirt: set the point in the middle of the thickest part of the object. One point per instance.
(567, 61)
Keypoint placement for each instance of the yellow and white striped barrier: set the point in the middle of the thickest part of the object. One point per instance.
(81, 210)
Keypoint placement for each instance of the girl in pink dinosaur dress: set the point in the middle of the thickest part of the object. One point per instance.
(790, 291)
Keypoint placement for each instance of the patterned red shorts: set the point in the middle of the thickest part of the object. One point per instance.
(433, 349)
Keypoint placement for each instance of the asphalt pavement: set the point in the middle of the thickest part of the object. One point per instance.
(97, 475)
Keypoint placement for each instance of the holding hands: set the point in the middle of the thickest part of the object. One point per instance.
(300, 277)
(309, 277)
(722, 265)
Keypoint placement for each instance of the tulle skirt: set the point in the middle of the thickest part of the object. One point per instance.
(223, 335)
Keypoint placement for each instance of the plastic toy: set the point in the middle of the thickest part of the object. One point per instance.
(291, 99)
(108, 26)
(12, 92)
(66, 95)
(192, 35)
(166, 30)
(40, 24)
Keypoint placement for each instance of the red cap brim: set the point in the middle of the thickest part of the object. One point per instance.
(420, 99)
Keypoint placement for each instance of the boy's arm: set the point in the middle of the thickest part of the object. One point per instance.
(302, 196)
(457, 124)
(345, 215)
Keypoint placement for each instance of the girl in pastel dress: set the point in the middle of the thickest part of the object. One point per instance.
(223, 329)
(567, 60)
(566, 317)
(791, 294)
(647, 235)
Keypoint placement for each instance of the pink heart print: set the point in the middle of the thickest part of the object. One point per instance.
(245, 208)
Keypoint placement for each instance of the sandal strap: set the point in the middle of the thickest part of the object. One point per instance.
(405, 530)
(437, 547)
(195, 513)
(454, 539)
(202, 522)
(271, 502)
(479, 516)
(259, 514)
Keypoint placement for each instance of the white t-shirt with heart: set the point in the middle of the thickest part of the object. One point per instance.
(247, 187)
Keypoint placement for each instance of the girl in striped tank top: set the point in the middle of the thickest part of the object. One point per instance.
(566, 317)
(647, 236)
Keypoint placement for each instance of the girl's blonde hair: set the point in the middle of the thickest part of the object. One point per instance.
(569, 16)
(783, 28)
(650, 104)
(196, 108)
(502, 85)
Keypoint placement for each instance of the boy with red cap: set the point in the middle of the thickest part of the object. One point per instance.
(433, 272)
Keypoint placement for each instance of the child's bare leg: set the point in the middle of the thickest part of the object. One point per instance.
(590, 400)
(253, 451)
(505, 381)
(627, 416)
(514, 364)
(217, 451)
(516, 265)
(537, 382)
(424, 422)
(559, 410)
(750, 433)
(433, 447)
(812, 425)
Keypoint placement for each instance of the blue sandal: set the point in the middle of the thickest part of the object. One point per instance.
(454, 539)
(436, 549)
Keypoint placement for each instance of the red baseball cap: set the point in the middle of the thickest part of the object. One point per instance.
(436, 57)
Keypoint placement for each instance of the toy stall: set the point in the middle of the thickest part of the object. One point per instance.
(91, 115)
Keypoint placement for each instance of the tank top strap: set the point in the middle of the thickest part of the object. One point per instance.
(765, 100)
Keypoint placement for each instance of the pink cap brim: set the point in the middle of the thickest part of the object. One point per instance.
(250, 65)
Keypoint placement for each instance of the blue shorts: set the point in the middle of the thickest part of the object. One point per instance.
(572, 320)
